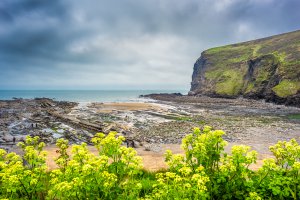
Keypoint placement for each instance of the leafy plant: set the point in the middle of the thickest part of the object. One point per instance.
(204, 171)
(24, 177)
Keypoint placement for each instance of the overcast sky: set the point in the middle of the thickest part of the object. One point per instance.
(125, 44)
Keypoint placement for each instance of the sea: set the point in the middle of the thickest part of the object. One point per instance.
(84, 95)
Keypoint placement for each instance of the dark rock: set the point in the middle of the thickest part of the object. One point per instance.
(154, 96)
(130, 143)
(136, 144)
(127, 133)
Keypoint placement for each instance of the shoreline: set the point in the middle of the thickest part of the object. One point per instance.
(149, 125)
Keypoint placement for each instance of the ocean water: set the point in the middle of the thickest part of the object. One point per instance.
(83, 95)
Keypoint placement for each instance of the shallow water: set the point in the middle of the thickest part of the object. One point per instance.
(82, 95)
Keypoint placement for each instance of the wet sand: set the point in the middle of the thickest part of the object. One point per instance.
(124, 106)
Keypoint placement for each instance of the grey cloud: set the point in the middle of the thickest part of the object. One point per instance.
(95, 44)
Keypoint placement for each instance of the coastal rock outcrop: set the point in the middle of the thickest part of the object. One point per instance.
(267, 68)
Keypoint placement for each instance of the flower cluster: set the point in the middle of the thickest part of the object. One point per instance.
(204, 171)
(24, 177)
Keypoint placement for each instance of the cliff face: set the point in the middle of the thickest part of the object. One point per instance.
(267, 68)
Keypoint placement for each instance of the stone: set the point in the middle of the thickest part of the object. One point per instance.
(8, 138)
(130, 143)
(137, 144)
(152, 147)
(127, 133)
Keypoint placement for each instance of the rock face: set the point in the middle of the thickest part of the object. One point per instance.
(267, 68)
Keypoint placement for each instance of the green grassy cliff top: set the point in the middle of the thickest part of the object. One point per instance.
(228, 65)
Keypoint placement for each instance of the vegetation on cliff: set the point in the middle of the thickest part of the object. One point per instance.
(203, 172)
(267, 68)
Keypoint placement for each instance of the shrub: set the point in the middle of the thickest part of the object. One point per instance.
(205, 171)
(24, 177)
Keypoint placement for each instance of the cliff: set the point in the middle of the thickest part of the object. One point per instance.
(267, 68)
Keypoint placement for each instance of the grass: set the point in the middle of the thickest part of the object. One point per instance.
(202, 122)
(232, 83)
(250, 88)
(218, 49)
(281, 56)
(214, 74)
(255, 50)
(290, 70)
(241, 58)
(228, 65)
(294, 116)
(262, 75)
(286, 88)
(54, 129)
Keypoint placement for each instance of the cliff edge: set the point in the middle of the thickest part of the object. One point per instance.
(267, 68)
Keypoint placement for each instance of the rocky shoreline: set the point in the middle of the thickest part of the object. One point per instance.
(35, 117)
(251, 122)
(166, 120)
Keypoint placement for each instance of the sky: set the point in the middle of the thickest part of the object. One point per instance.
(125, 44)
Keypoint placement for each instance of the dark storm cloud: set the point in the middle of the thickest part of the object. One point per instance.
(95, 44)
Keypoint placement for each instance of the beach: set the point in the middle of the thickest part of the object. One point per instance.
(151, 127)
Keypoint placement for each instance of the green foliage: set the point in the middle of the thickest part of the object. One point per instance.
(280, 56)
(239, 58)
(286, 88)
(226, 66)
(182, 184)
(231, 84)
(87, 176)
(63, 159)
(280, 177)
(213, 74)
(24, 177)
(250, 87)
(228, 82)
(294, 116)
(218, 49)
(256, 50)
(124, 161)
(205, 171)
